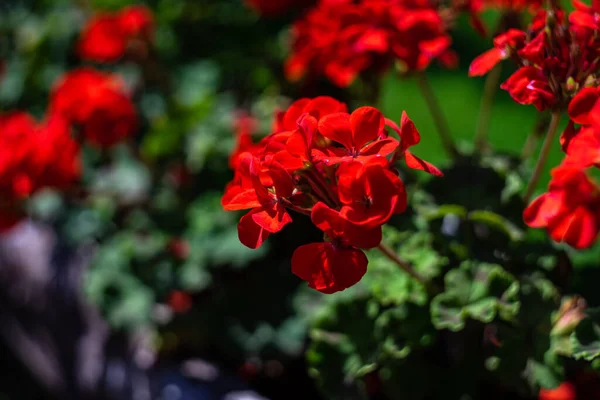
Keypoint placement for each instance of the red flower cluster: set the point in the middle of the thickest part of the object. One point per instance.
(96, 102)
(107, 37)
(556, 56)
(33, 156)
(342, 38)
(334, 166)
(570, 210)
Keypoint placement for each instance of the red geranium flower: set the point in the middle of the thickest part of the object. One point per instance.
(338, 263)
(331, 165)
(530, 86)
(570, 210)
(370, 193)
(555, 60)
(268, 215)
(106, 36)
(359, 134)
(340, 39)
(98, 103)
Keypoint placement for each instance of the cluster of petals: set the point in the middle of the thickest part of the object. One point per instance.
(570, 210)
(33, 155)
(556, 56)
(109, 36)
(339, 39)
(337, 168)
(97, 103)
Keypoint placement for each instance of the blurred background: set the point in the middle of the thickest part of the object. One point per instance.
(137, 287)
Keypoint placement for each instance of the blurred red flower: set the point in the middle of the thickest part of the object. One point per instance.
(107, 36)
(340, 39)
(566, 391)
(96, 102)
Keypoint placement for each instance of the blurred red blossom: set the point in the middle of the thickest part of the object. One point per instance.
(107, 36)
(179, 301)
(565, 391)
(340, 39)
(336, 167)
(33, 156)
(96, 102)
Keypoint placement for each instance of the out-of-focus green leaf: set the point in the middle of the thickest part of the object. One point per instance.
(475, 291)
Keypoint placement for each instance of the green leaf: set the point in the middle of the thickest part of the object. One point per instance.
(498, 222)
(481, 292)
(585, 340)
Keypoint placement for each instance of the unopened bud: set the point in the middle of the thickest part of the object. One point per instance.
(571, 86)
(590, 81)
(571, 312)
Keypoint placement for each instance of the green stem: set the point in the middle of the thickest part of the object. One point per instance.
(437, 115)
(541, 162)
(404, 266)
(485, 109)
(533, 138)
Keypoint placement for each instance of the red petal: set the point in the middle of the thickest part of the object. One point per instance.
(409, 134)
(366, 124)
(483, 63)
(250, 233)
(584, 148)
(329, 269)
(581, 106)
(578, 228)
(365, 238)
(290, 118)
(382, 148)
(238, 198)
(541, 210)
(568, 135)
(584, 19)
(328, 220)
(337, 128)
(271, 218)
(415, 162)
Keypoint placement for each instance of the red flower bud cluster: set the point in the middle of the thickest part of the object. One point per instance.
(556, 57)
(334, 166)
(342, 38)
(109, 36)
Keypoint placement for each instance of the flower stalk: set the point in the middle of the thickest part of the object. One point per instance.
(438, 116)
(492, 83)
(544, 152)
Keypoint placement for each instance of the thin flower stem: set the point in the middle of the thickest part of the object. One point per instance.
(389, 253)
(485, 109)
(541, 162)
(533, 138)
(320, 186)
(437, 115)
